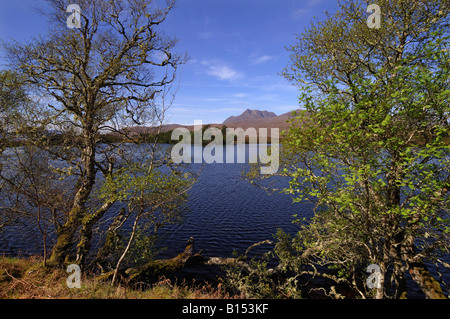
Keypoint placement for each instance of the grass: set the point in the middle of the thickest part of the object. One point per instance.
(27, 278)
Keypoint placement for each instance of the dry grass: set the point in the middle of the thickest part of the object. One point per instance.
(26, 278)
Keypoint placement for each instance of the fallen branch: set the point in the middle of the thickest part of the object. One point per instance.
(160, 267)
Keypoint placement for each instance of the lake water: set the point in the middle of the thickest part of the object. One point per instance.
(224, 213)
(227, 213)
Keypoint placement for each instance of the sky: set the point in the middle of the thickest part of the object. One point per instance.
(237, 50)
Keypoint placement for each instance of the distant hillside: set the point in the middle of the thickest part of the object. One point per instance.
(249, 115)
(249, 119)
(280, 122)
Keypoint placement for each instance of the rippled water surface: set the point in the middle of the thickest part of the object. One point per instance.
(224, 213)
(227, 213)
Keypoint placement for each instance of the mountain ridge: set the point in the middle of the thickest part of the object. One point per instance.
(270, 121)
(250, 115)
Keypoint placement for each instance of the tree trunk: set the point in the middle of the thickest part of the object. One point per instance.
(400, 280)
(420, 274)
(86, 232)
(67, 232)
(429, 285)
(154, 269)
(381, 278)
(398, 274)
(65, 237)
(111, 237)
(127, 248)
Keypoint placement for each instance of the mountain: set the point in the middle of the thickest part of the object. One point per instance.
(268, 122)
(249, 119)
(249, 116)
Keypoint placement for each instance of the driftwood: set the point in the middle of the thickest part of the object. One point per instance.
(153, 270)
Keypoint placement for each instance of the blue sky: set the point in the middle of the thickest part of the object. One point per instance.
(236, 49)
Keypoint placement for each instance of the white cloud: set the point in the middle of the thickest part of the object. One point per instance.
(240, 95)
(222, 72)
(300, 12)
(263, 59)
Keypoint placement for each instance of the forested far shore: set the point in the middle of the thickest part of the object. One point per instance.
(165, 137)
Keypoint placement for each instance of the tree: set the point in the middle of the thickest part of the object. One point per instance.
(153, 199)
(33, 191)
(13, 97)
(371, 150)
(104, 76)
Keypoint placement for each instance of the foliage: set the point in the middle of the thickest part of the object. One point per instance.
(12, 98)
(371, 150)
(153, 193)
(257, 281)
(89, 86)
